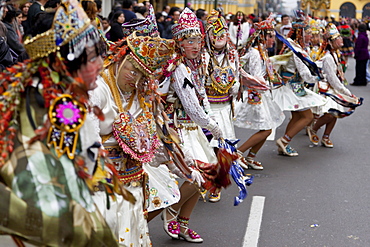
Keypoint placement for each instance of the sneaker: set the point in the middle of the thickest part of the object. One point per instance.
(326, 142)
(214, 197)
(285, 149)
(312, 135)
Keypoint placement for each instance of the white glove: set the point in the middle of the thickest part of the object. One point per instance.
(196, 177)
(215, 129)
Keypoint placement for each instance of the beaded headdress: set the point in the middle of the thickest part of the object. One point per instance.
(216, 22)
(149, 53)
(315, 26)
(332, 31)
(267, 24)
(146, 26)
(187, 25)
(301, 20)
(70, 26)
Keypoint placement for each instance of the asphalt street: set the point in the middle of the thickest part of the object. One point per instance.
(320, 198)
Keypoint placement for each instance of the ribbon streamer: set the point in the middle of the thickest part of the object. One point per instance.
(310, 64)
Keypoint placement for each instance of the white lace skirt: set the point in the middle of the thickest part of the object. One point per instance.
(289, 101)
(163, 189)
(223, 117)
(264, 116)
(196, 145)
(125, 219)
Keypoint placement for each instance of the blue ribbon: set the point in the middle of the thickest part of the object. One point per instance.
(343, 102)
(237, 172)
(310, 64)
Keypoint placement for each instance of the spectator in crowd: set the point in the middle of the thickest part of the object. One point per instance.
(24, 8)
(361, 56)
(332, 17)
(201, 16)
(18, 23)
(141, 12)
(52, 4)
(127, 9)
(33, 11)
(239, 19)
(146, 4)
(12, 36)
(116, 31)
(166, 10)
(99, 7)
(174, 16)
(220, 9)
(90, 9)
(286, 25)
(106, 26)
(160, 23)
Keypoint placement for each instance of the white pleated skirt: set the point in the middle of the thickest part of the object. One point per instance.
(223, 115)
(196, 145)
(289, 101)
(264, 116)
(125, 219)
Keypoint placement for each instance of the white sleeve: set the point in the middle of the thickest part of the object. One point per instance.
(232, 33)
(303, 71)
(102, 97)
(329, 68)
(253, 64)
(187, 95)
(245, 35)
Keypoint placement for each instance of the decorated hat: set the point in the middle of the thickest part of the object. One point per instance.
(315, 26)
(216, 22)
(332, 31)
(149, 53)
(145, 26)
(187, 25)
(70, 26)
(267, 24)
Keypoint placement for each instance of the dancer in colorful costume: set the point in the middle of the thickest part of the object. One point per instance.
(129, 130)
(346, 50)
(222, 80)
(257, 110)
(48, 144)
(315, 49)
(331, 87)
(189, 109)
(291, 95)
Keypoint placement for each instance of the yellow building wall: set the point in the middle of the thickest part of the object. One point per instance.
(335, 5)
(335, 8)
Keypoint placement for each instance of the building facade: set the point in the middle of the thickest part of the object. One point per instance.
(358, 9)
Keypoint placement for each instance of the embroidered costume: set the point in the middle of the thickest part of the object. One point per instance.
(257, 110)
(129, 134)
(292, 95)
(49, 140)
(188, 104)
(222, 75)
